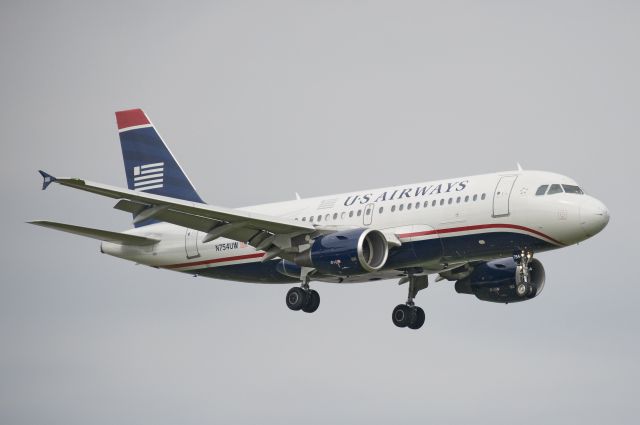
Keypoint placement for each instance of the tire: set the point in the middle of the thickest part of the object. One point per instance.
(522, 289)
(296, 298)
(313, 302)
(402, 316)
(418, 319)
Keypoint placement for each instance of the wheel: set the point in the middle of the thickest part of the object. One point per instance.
(296, 298)
(402, 315)
(313, 302)
(522, 289)
(418, 319)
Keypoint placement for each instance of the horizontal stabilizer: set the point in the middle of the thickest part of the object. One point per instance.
(102, 235)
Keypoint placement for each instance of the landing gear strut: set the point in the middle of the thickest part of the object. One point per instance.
(523, 258)
(303, 298)
(409, 315)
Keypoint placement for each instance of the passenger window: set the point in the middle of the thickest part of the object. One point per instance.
(417, 205)
(466, 198)
(541, 190)
(458, 200)
(380, 210)
(484, 195)
(433, 203)
(327, 217)
(343, 215)
(426, 204)
(351, 213)
(450, 201)
(393, 208)
(335, 216)
(475, 198)
(359, 213)
(311, 219)
(442, 201)
(409, 206)
(401, 207)
(572, 189)
(367, 211)
(319, 218)
(555, 188)
(304, 218)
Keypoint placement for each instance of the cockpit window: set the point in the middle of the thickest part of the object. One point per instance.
(572, 189)
(555, 188)
(541, 190)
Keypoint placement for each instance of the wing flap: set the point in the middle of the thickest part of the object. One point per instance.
(130, 206)
(102, 235)
(272, 224)
(196, 222)
(250, 227)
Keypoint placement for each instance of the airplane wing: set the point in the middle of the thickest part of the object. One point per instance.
(273, 234)
(102, 235)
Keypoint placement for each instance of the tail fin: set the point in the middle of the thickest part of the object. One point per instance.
(148, 163)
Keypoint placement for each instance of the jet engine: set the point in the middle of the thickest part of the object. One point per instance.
(346, 253)
(496, 281)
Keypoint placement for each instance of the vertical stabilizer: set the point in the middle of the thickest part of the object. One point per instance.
(149, 164)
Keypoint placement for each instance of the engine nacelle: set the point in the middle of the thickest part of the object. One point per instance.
(347, 253)
(496, 281)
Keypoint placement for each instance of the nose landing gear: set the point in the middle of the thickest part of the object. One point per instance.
(409, 315)
(523, 258)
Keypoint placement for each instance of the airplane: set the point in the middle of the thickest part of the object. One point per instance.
(480, 232)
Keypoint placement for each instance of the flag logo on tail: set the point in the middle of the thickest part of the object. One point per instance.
(149, 176)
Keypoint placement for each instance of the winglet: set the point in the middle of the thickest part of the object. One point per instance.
(47, 179)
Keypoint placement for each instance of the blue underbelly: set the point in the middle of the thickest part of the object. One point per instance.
(410, 254)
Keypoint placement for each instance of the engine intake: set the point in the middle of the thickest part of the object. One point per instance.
(495, 281)
(347, 253)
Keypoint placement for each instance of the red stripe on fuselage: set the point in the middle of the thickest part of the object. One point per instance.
(479, 227)
(403, 235)
(215, 260)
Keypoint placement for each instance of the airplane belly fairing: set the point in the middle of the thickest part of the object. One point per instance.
(254, 272)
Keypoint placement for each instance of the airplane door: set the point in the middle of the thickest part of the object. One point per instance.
(502, 194)
(367, 217)
(191, 243)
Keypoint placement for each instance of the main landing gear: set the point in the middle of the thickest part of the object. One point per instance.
(523, 258)
(303, 298)
(409, 315)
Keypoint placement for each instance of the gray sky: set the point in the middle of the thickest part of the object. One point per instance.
(259, 100)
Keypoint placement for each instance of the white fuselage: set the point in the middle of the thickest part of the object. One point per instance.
(468, 218)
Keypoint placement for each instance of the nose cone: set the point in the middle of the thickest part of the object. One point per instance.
(594, 216)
